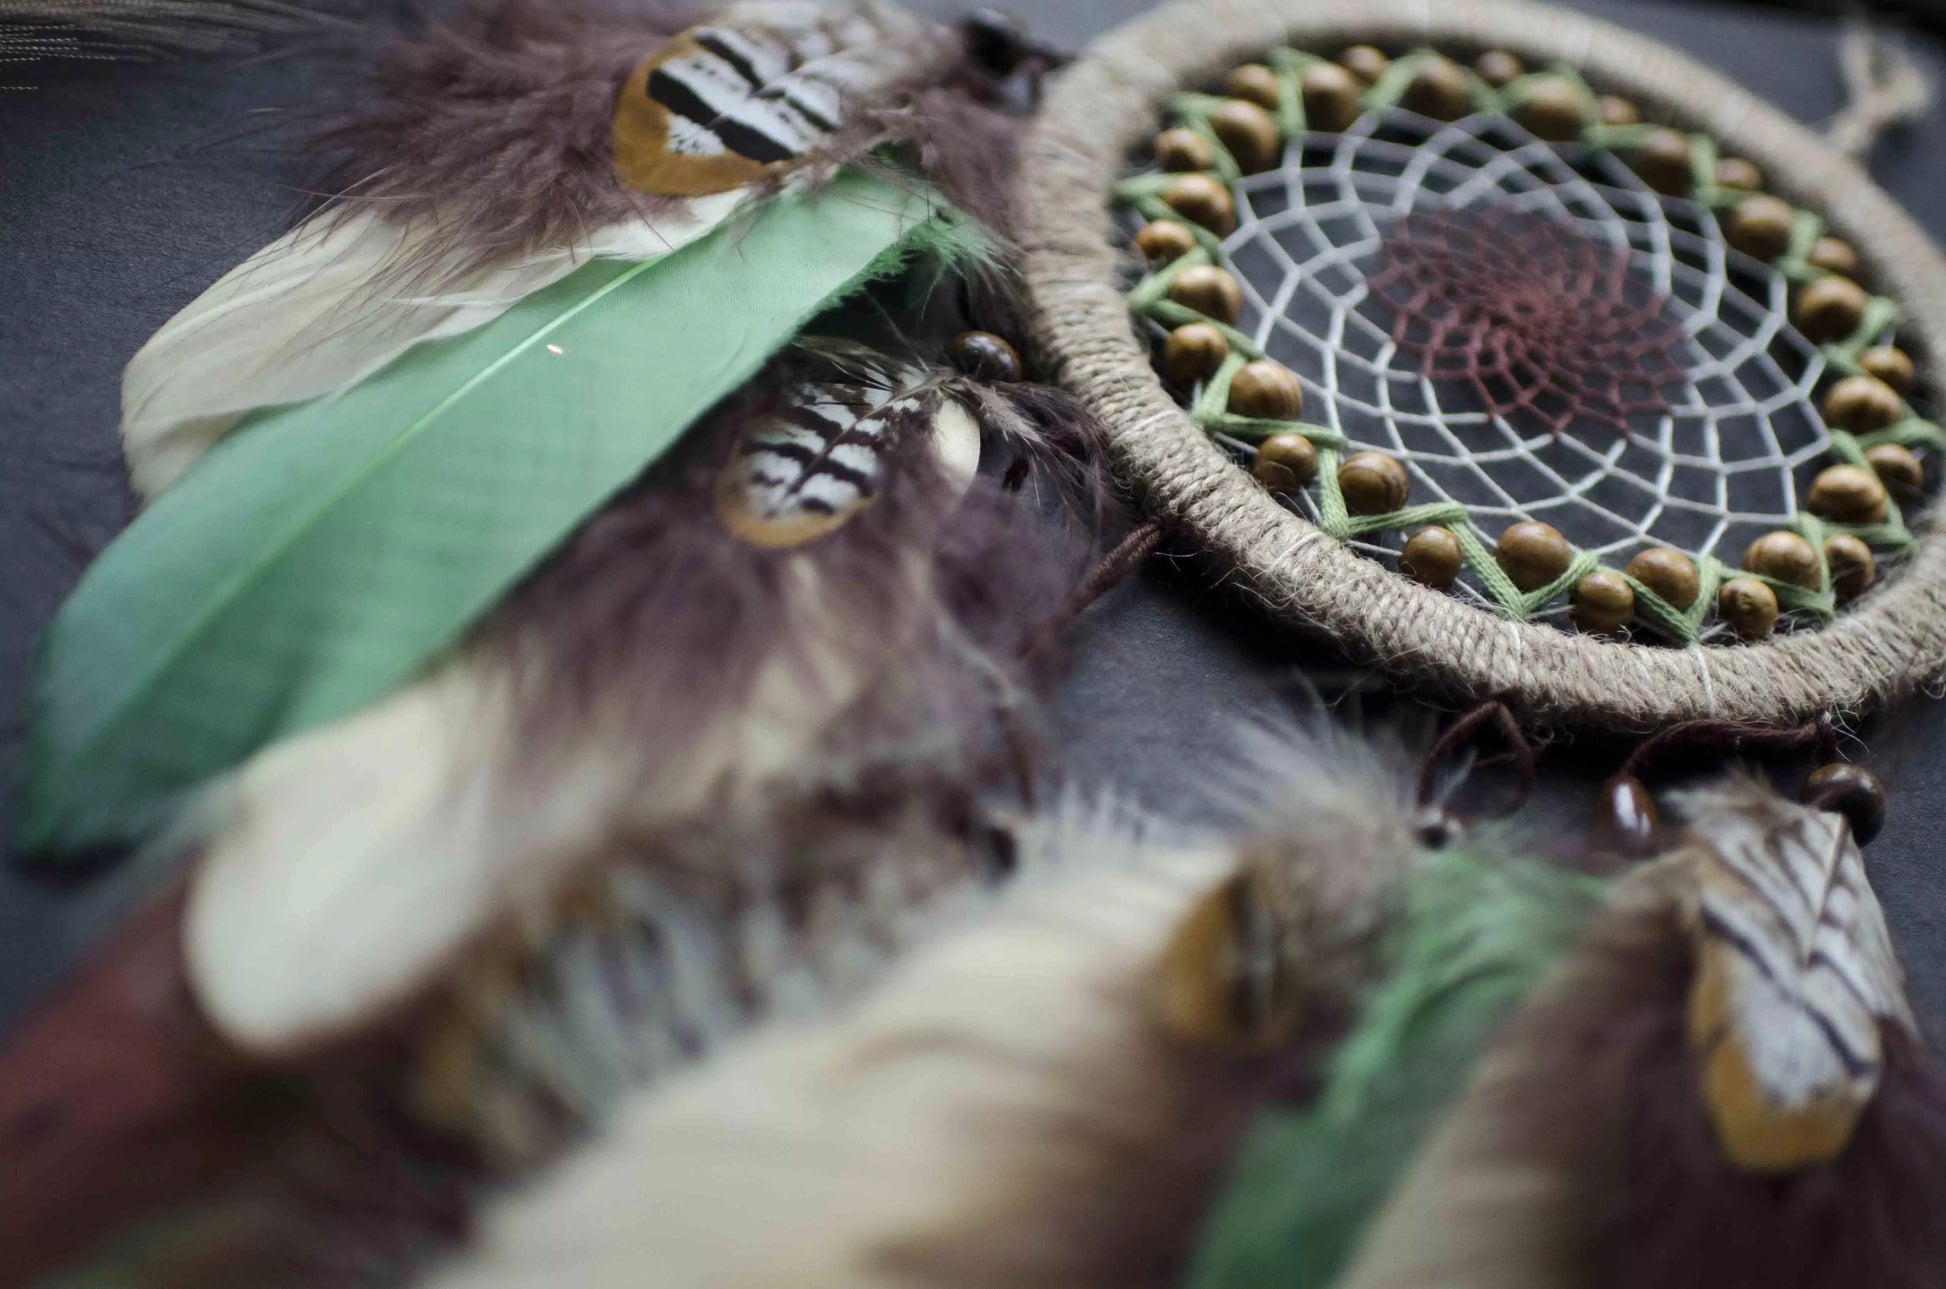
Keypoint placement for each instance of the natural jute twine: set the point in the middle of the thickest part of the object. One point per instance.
(1110, 100)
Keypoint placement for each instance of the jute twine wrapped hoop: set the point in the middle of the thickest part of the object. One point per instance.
(1112, 98)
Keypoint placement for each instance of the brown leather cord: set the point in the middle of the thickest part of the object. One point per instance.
(1520, 753)
(1821, 733)
(1128, 555)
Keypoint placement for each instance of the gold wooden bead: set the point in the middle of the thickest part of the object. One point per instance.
(1554, 108)
(1760, 227)
(1663, 161)
(1183, 149)
(1898, 469)
(1532, 554)
(1669, 573)
(1498, 68)
(985, 356)
(1285, 462)
(1249, 133)
(1784, 556)
(1373, 484)
(1266, 391)
(1210, 291)
(1616, 110)
(1164, 241)
(1365, 62)
(1833, 255)
(1331, 97)
(1438, 89)
(1602, 603)
(1847, 494)
(1830, 309)
(1432, 557)
(1862, 404)
(1852, 567)
(1739, 173)
(1748, 606)
(1851, 791)
(1202, 200)
(1627, 815)
(1255, 83)
(1193, 352)
(1890, 364)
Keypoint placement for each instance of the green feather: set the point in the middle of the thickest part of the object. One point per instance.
(1476, 937)
(326, 552)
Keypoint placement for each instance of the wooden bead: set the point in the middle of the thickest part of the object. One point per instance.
(1438, 89)
(1739, 173)
(1851, 791)
(1848, 494)
(1365, 62)
(1898, 469)
(1432, 557)
(1830, 309)
(1853, 569)
(1266, 391)
(1862, 404)
(1784, 556)
(1663, 161)
(1332, 97)
(1616, 110)
(1285, 463)
(1748, 606)
(1202, 200)
(1193, 352)
(1532, 554)
(1498, 68)
(1554, 108)
(1627, 816)
(1373, 484)
(1833, 255)
(1602, 603)
(1210, 291)
(1255, 83)
(1670, 574)
(1760, 227)
(984, 356)
(1890, 364)
(1164, 241)
(1249, 133)
(1183, 149)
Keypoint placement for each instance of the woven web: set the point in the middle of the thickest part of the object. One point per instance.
(1705, 463)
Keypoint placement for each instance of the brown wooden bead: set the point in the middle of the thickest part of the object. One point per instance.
(1898, 469)
(1663, 161)
(1285, 463)
(1616, 110)
(1851, 791)
(1853, 569)
(1833, 255)
(1890, 364)
(1748, 606)
(1202, 200)
(1760, 227)
(1255, 83)
(984, 356)
(1373, 484)
(1183, 149)
(1193, 352)
(1164, 241)
(1627, 816)
(1210, 291)
(1249, 133)
(1602, 603)
(1554, 108)
(1266, 391)
(1862, 404)
(1669, 573)
(1830, 309)
(1332, 97)
(1432, 557)
(1739, 173)
(1847, 494)
(1532, 554)
(1438, 89)
(1784, 556)
(1498, 68)
(1365, 62)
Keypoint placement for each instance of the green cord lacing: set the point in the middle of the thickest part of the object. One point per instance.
(1150, 299)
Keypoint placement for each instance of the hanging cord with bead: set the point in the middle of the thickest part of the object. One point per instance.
(1497, 716)
(1886, 87)
(1191, 212)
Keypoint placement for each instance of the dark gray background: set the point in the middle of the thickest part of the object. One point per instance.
(126, 190)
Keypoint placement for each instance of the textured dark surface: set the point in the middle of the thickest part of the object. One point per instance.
(124, 191)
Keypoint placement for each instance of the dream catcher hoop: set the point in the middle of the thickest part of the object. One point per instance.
(1448, 360)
